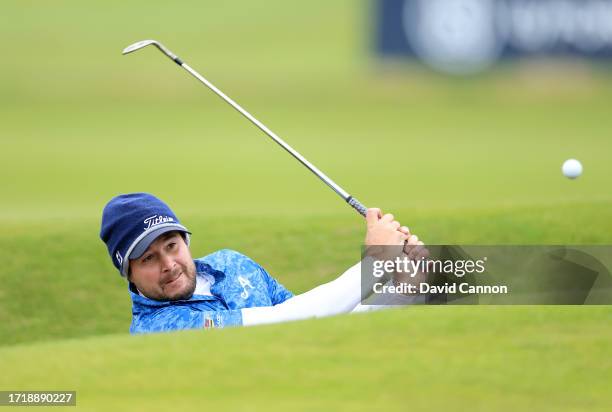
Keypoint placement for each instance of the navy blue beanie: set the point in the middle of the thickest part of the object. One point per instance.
(131, 222)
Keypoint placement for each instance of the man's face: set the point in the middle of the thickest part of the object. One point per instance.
(166, 270)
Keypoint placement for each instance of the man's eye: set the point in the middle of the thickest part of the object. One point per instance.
(171, 245)
(147, 258)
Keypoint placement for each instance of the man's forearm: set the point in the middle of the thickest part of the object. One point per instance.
(341, 295)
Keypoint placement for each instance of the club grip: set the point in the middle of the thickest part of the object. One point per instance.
(356, 204)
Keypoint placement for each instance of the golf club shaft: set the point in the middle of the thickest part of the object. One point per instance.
(329, 182)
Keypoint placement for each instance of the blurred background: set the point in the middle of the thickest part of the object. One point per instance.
(454, 115)
(470, 36)
(347, 83)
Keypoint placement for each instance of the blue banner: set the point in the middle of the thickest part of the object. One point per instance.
(464, 36)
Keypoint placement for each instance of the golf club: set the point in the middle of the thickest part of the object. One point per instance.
(341, 192)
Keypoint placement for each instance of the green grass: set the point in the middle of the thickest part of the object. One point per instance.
(473, 160)
(59, 282)
(430, 358)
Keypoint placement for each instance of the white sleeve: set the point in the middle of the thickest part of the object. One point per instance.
(388, 301)
(338, 296)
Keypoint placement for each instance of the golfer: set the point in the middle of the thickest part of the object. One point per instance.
(170, 290)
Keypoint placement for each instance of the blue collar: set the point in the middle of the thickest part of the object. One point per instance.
(201, 268)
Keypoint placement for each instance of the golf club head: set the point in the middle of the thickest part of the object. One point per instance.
(144, 43)
(138, 45)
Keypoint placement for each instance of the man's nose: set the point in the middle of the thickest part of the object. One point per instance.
(167, 262)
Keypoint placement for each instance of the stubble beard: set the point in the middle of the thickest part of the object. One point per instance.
(187, 292)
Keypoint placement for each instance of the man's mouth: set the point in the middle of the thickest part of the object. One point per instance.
(173, 279)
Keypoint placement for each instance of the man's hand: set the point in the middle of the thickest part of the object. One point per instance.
(414, 248)
(387, 239)
(383, 230)
(416, 251)
(384, 240)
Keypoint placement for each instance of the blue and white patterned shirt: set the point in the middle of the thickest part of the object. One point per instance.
(237, 283)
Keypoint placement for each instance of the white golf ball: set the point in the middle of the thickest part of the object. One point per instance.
(572, 168)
